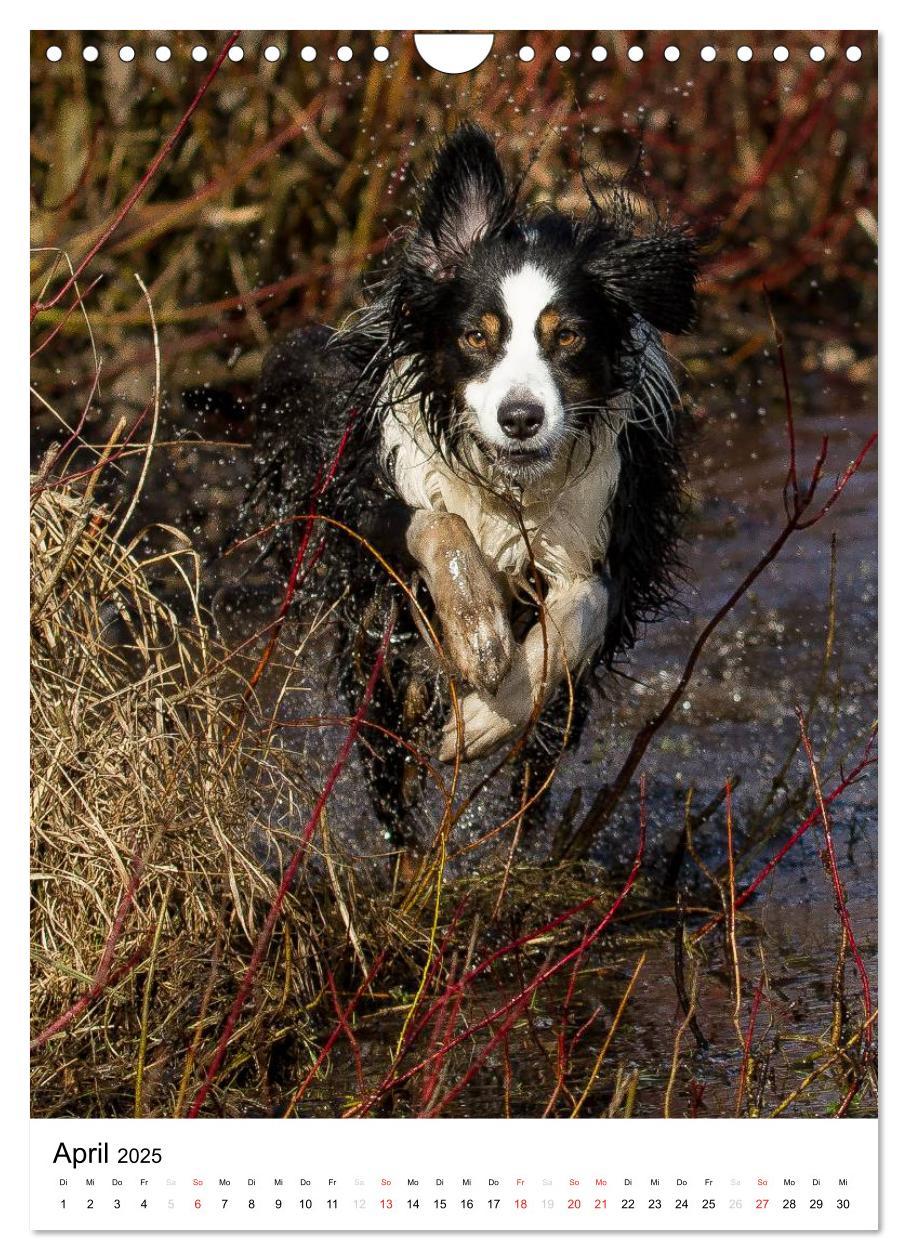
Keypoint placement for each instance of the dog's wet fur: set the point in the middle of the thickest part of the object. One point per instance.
(510, 436)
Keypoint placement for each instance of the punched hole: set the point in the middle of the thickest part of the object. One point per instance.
(745, 53)
(54, 53)
(599, 53)
(308, 53)
(272, 53)
(162, 52)
(853, 53)
(90, 53)
(199, 53)
(344, 53)
(780, 53)
(672, 53)
(563, 53)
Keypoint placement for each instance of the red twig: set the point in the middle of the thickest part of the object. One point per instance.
(791, 481)
(441, 1037)
(77, 300)
(846, 1101)
(103, 974)
(93, 994)
(515, 1011)
(846, 782)
(119, 452)
(561, 1047)
(344, 1021)
(338, 1029)
(832, 868)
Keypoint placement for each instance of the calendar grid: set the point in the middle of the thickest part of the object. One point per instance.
(467, 1174)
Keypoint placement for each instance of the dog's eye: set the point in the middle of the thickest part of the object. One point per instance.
(567, 337)
(475, 338)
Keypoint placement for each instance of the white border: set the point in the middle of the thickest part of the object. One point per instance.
(465, 15)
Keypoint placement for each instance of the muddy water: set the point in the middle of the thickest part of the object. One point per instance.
(797, 638)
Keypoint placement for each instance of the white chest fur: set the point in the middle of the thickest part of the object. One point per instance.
(564, 513)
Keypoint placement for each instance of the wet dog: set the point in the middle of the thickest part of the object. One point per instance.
(510, 430)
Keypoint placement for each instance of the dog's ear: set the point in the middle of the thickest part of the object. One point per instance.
(465, 198)
(653, 276)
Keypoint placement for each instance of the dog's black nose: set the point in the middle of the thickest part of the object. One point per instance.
(520, 418)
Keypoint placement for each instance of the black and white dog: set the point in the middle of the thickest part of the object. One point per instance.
(514, 436)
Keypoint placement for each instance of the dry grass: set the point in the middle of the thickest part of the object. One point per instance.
(140, 811)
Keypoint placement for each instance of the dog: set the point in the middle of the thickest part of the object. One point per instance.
(511, 436)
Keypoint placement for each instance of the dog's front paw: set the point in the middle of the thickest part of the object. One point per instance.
(480, 644)
(484, 728)
(491, 720)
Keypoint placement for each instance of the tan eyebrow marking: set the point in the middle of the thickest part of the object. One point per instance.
(548, 322)
(490, 324)
(547, 327)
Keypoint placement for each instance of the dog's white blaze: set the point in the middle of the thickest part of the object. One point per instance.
(525, 294)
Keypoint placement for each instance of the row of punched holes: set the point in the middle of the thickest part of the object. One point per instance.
(345, 53)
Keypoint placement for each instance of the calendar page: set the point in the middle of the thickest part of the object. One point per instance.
(453, 630)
